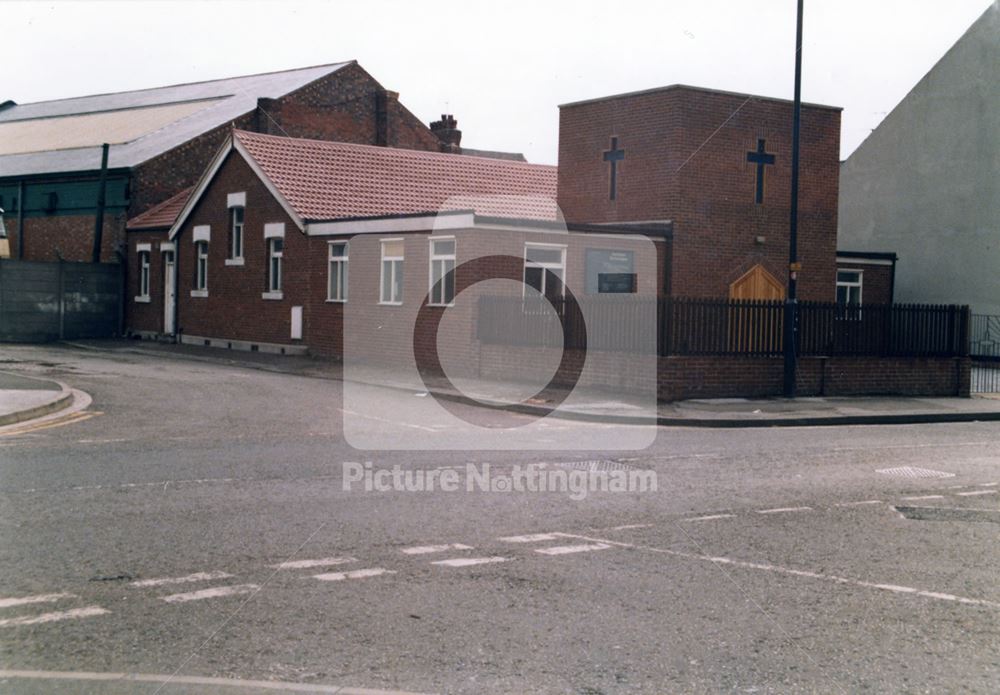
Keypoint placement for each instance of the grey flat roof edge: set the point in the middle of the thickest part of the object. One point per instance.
(707, 90)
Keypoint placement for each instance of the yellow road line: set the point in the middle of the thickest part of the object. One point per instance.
(66, 420)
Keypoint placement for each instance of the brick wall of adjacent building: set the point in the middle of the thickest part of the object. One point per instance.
(145, 318)
(234, 307)
(685, 160)
(876, 283)
(71, 236)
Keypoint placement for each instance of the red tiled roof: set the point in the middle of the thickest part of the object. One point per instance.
(161, 215)
(325, 180)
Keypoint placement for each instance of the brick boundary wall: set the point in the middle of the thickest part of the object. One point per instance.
(685, 377)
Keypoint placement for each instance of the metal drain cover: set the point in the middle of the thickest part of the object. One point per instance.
(597, 465)
(913, 472)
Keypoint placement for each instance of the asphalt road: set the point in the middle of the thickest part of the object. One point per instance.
(148, 536)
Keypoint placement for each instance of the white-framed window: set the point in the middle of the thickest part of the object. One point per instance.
(336, 281)
(275, 251)
(442, 271)
(849, 283)
(545, 269)
(849, 286)
(236, 215)
(143, 276)
(391, 282)
(201, 266)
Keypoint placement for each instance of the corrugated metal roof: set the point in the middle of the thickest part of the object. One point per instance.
(325, 180)
(220, 102)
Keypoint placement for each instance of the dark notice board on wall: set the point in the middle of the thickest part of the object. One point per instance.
(610, 271)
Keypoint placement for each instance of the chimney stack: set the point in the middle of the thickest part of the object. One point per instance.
(385, 106)
(448, 133)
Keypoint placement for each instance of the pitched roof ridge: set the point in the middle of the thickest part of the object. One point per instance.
(444, 156)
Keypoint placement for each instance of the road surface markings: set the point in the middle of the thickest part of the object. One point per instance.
(196, 577)
(87, 612)
(352, 574)
(832, 578)
(629, 527)
(974, 493)
(217, 684)
(530, 538)
(568, 549)
(924, 497)
(914, 472)
(782, 510)
(321, 562)
(426, 549)
(214, 592)
(988, 484)
(710, 517)
(857, 504)
(67, 420)
(469, 561)
(395, 423)
(38, 598)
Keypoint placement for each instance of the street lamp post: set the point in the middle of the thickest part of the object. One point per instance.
(791, 301)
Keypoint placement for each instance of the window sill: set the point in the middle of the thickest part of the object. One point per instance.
(440, 306)
(234, 261)
(336, 301)
(390, 304)
(199, 293)
(272, 295)
(142, 299)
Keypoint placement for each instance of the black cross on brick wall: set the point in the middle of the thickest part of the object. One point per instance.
(761, 159)
(614, 155)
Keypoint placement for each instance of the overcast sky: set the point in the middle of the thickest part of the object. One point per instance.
(501, 67)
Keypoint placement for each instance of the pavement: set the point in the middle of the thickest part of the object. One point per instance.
(22, 398)
(26, 398)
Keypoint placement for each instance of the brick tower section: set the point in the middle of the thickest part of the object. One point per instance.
(694, 156)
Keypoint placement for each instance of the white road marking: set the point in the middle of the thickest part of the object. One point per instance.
(306, 564)
(216, 683)
(782, 510)
(352, 574)
(214, 592)
(857, 504)
(924, 497)
(567, 549)
(530, 538)
(425, 549)
(988, 484)
(975, 493)
(87, 612)
(196, 577)
(710, 517)
(914, 472)
(395, 423)
(797, 573)
(38, 598)
(468, 561)
(628, 527)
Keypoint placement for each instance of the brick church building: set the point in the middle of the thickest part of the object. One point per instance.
(264, 212)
